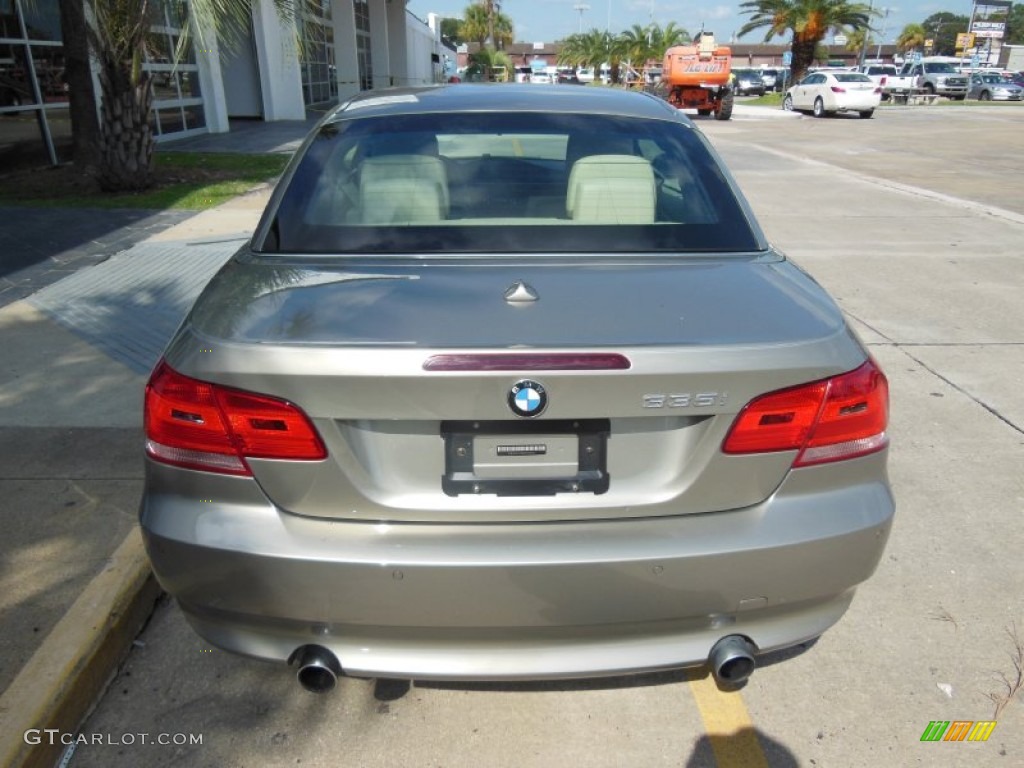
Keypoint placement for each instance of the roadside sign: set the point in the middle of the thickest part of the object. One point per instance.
(975, 61)
(916, 57)
(840, 40)
(964, 40)
(787, 58)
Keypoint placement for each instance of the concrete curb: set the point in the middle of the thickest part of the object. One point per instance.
(60, 684)
(71, 669)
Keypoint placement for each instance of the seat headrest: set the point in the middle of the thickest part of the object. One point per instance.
(611, 189)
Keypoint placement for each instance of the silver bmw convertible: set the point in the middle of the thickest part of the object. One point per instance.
(509, 384)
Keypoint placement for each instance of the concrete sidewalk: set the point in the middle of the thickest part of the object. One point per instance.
(84, 315)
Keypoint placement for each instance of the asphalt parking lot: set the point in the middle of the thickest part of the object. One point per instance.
(917, 227)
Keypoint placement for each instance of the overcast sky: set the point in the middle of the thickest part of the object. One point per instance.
(549, 20)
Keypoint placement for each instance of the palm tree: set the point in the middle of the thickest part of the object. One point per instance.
(593, 49)
(488, 62)
(859, 39)
(645, 44)
(665, 38)
(911, 38)
(486, 27)
(808, 21)
(121, 36)
(488, 23)
(474, 24)
(637, 45)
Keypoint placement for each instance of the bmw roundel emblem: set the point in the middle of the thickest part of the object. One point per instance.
(527, 398)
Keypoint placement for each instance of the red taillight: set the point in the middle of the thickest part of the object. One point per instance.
(194, 424)
(838, 418)
(838, 89)
(878, 90)
(883, 81)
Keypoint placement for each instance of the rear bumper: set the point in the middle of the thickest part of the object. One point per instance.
(516, 601)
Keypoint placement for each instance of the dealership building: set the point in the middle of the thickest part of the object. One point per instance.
(333, 49)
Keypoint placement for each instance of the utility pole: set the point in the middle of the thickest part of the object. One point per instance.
(881, 37)
(864, 45)
(581, 7)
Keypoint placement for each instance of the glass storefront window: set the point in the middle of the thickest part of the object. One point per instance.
(319, 74)
(33, 91)
(175, 74)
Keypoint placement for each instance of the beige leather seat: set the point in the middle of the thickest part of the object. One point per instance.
(611, 189)
(403, 189)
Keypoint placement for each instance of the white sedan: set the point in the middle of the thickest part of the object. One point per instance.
(827, 92)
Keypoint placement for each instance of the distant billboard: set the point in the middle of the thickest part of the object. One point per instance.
(989, 18)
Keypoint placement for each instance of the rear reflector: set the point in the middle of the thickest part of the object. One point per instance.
(528, 361)
(830, 420)
(194, 424)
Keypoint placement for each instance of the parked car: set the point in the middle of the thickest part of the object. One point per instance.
(936, 75)
(989, 86)
(541, 78)
(826, 93)
(510, 384)
(585, 75)
(771, 79)
(747, 82)
(1014, 77)
(879, 74)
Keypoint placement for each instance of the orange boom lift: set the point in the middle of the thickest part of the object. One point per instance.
(698, 77)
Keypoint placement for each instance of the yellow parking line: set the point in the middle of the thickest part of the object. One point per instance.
(727, 723)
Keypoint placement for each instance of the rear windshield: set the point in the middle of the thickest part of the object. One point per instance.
(508, 183)
(851, 77)
(939, 68)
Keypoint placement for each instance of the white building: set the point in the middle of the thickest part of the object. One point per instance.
(333, 50)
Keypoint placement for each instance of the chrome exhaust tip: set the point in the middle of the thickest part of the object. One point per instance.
(732, 660)
(319, 669)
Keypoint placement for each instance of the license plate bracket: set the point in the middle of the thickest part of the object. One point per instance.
(515, 442)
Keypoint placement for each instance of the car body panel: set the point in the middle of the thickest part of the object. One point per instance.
(442, 533)
(380, 595)
(993, 87)
(858, 93)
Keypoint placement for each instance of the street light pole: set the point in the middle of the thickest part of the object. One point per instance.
(881, 36)
(864, 45)
(581, 7)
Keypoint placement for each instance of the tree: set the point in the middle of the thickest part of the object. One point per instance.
(474, 24)
(85, 127)
(120, 35)
(450, 31)
(1015, 25)
(594, 49)
(807, 20)
(641, 45)
(490, 64)
(911, 38)
(942, 28)
(859, 39)
(480, 27)
(637, 45)
(663, 39)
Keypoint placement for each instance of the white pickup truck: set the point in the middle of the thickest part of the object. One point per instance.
(932, 76)
(880, 74)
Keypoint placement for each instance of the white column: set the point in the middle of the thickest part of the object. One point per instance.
(345, 59)
(398, 45)
(278, 57)
(211, 80)
(379, 43)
